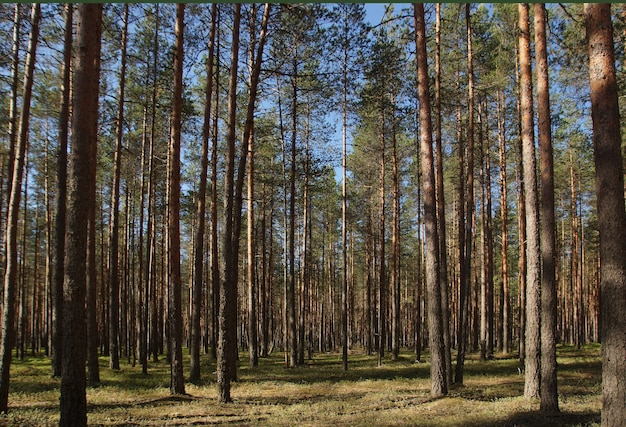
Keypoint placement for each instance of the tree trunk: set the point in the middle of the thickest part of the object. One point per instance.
(253, 347)
(196, 301)
(60, 210)
(73, 405)
(441, 203)
(523, 263)
(13, 107)
(114, 273)
(10, 276)
(382, 274)
(548, 390)
(611, 213)
(227, 319)
(533, 290)
(177, 381)
(468, 199)
(504, 340)
(395, 248)
(438, 383)
(214, 244)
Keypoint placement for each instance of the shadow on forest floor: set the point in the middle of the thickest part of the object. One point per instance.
(318, 394)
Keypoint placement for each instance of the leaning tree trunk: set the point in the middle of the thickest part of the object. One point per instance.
(10, 275)
(85, 89)
(611, 214)
(177, 380)
(548, 390)
(438, 383)
(533, 291)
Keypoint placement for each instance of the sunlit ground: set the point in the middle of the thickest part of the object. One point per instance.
(319, 394)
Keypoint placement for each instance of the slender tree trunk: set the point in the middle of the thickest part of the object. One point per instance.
(438, 383)
(382, 279)
(523, 263)
(344, 206)
(469, 210)
(214, 245)
(611, 214)
(395, 250)
(177, 381)
(196, 332)
(10, 276)
(533, 290)
(248, 136)
(253, 348)
(93, 367)
(503, 337)
(114, 273)
(73, 404)
(548, 389)
(60, 210)
(13, 109)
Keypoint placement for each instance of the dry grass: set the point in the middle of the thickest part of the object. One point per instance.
(319, 394)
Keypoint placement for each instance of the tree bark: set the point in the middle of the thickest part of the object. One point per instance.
(548, 390)
(177, 381)
(533, 290)
(196, 332)
(438, 382)
(468, 199)
(73, 404)
(114, 273)
(441, 203)
(10, 275)
(227, 317)
(60, 210)
(611, 214)
(504, 341)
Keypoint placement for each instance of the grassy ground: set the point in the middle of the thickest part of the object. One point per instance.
(319, 394)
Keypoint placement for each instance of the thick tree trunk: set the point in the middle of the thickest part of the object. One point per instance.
(611, 213)
(441, 203)
(17, 167)
(73, 404)
(548, 390)
(438, 384)
(533, 289)
(177, 381)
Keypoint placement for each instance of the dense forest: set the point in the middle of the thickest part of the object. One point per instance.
(231, 181)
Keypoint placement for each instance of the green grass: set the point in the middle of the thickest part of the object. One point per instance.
(317, 394)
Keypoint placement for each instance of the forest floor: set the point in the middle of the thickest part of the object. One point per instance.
(318, 394)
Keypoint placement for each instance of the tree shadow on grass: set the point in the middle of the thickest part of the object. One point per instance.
(534, 418)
